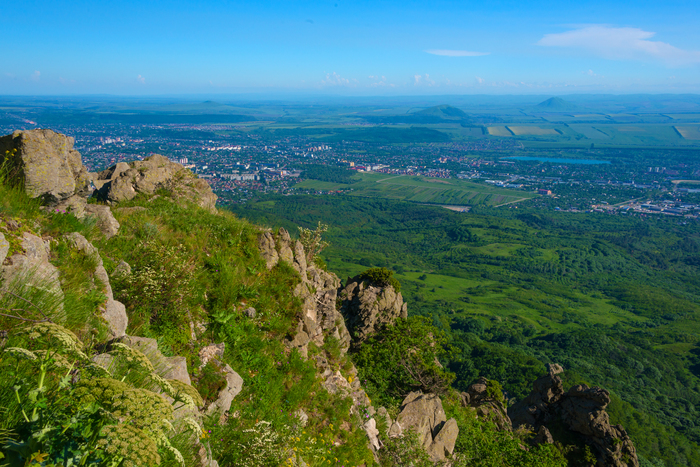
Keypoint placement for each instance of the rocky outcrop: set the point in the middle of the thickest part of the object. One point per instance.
(424, 414)
(234, 382)
(113, 312)
(581, 410)
(367, 306)
(317, 290)
(488, 402)
(122, 182)
(45, 163)
(29, 272)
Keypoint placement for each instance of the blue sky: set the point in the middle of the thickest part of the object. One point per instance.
(349, 48)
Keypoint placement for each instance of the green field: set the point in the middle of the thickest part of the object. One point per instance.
(421, 190)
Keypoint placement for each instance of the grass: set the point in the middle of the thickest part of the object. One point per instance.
(499, 131)
(532, 130)
(689, 132)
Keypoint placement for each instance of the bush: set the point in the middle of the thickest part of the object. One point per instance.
(381, 276)
(403, 357)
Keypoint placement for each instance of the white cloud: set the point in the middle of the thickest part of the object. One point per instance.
(141, 79)
(621, 44)
(456, 53)
(419, 80)
(334, 79)
(480, 80)
(35, 76)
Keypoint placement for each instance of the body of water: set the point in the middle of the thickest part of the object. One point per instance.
(557, 161)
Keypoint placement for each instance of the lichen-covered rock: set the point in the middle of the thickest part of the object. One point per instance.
(367, 306)
(45, 163)
(123, 182)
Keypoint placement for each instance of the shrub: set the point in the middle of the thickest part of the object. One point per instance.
(382, 277)
(403, 357)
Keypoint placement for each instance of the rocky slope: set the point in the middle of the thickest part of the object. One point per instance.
(331, 316)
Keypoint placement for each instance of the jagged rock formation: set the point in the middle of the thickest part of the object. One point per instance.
(581, 410)
(488, 405)
(318, 291)
(367, 306)
(424, 414)
(45, 163)
(113, 312)
(123, 181)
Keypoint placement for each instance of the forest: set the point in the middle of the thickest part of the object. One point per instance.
(613, 299)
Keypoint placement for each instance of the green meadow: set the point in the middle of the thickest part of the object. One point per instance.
(421, 190)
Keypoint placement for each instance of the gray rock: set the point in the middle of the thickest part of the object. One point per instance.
(123, 269)
(113, 312)
(177, 369)
(234, 385)
(120, 183)
(283, 244)
(367, 306)
(383, 413)
(250, 312)
(32, 269)
(45, 163)
(266, 245)
(444, 442)
(167, 367)
(581, 410)
(424, 414)
(106, 222)
(4, 248)
(370, 428)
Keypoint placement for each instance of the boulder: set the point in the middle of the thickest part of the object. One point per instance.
(424, 414)
(123, 269)
(45, 163)
(122, 182)
(106, 222)
(234, 385)
(167, 367)
(211, 352)
(367, 306)
(31, 269)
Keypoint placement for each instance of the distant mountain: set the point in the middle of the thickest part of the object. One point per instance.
(444, 111)
(437, 114)
(556, 104)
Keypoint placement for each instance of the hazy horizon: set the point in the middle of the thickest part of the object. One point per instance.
(379, 48)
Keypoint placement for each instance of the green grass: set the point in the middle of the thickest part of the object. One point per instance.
(422, 190)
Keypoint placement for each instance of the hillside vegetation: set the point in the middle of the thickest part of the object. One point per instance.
(210, 314)
(613, 299)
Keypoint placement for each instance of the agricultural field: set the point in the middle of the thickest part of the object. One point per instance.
(434, 190)
(499, 131)
(532, 130)
(689, 132)
(421, 190)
